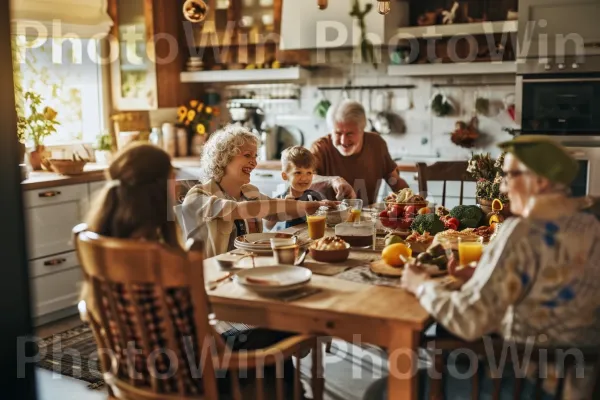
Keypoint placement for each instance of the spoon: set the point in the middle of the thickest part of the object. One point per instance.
(300, 260)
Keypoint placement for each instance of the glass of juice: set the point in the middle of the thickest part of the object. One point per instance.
(316, 225)
(469, 250)
(354, 209)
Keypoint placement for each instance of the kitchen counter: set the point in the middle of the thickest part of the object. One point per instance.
(95, 172)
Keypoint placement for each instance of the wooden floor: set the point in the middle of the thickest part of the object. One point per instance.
(51, 386)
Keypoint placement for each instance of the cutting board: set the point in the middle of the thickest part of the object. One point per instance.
(380, 267)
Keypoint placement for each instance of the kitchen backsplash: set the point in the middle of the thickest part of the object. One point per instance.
(426, 136)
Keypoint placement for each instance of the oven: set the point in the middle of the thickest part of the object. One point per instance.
(559, 98)
(587, 154)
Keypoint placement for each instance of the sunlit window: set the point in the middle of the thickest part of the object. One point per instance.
(68, 76)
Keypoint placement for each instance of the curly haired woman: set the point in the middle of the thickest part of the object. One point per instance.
(227, 205)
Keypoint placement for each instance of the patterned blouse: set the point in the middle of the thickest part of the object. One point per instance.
(528, 283)
(537, 282)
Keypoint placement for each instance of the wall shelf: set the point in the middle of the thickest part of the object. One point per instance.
(478, 28)
(450, 69)
(246, 75)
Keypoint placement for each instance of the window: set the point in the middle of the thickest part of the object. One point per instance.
(68, 77)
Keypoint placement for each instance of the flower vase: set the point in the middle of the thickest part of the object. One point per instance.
(35, 157)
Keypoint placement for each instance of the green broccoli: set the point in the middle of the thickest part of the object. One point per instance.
(469, 216)
(427, 223)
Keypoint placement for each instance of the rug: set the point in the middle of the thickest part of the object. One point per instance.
(72, 353)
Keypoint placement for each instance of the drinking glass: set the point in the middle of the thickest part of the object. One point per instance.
(316, 225)
(355, 208)
(469, 250)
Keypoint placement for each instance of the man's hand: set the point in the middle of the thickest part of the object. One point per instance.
(342, 189)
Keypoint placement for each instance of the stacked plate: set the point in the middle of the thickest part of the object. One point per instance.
(259, 243)
(273, 280)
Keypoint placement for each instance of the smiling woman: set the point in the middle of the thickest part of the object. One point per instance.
(227, 205)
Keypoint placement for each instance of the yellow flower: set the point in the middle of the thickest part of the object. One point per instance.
(182, 111)
(208, 110)
(200, 129)
(49, 113)
(200, 107)
(191, 114)
(194, 103)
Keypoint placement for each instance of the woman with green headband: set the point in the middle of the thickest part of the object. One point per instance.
(540, 275)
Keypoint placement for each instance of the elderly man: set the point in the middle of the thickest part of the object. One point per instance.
(539, 276)
(353, 162)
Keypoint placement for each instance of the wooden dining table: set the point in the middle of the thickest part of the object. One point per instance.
(385, 316)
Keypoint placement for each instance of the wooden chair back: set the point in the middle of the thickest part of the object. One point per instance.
(445, 171)
(153, 296)
(566, 359)
(151, 299)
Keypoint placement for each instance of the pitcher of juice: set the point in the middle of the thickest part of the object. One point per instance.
(469, 250)
(316, 225)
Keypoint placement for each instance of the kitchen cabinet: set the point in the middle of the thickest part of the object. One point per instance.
(242, 37)
(552, 21)
(55, 275)
(51, 214)
(147, 35)
(305, 26)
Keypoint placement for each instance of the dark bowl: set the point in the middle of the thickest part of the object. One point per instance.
(330, 256)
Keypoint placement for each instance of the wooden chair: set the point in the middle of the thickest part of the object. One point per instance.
(154, 296)
(445, 171)
(495, 348)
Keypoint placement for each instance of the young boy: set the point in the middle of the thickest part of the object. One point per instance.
(297, 168)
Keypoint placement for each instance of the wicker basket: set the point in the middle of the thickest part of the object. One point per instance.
(67, 167)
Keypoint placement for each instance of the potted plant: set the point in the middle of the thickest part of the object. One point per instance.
(35, 125)
(487, 172)
(103, 149)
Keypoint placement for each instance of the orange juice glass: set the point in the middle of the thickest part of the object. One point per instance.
(316, 225)
(355, 207)
(469, 250)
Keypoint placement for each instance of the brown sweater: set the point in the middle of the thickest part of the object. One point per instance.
(364, 171)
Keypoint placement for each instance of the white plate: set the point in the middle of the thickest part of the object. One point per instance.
(287, 278)
(246, 262)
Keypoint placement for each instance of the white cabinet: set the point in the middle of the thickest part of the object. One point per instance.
(51, 214)
(304, 26)
(95, 188)
(55, 275)
(56, 292)
(558, 27)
